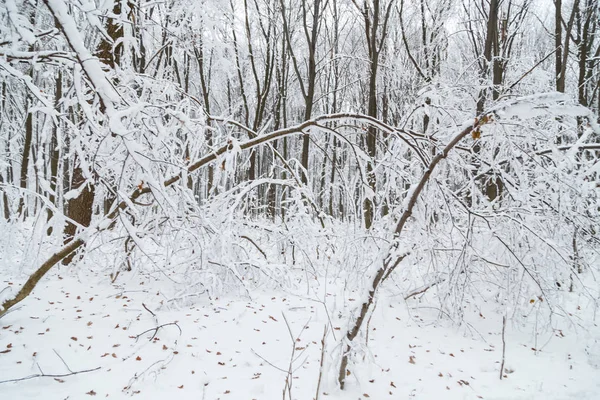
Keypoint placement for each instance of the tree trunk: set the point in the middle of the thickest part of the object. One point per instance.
(54, 151)
(79, 209)
(22, 211)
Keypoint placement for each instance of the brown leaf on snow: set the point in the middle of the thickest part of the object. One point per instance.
(59, 380)
(180, 387)
(392, 384)
(9, 346)
(73, 338)
(5, 351)
(89, 323)
(411, 360)
(273, 318)
(138, 358)
(91, 393)
(366, 395)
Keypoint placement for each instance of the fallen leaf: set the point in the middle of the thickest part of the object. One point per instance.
(138, 358)
(91, 393)
(73, 338)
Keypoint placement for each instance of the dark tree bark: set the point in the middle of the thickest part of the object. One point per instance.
(562, 59)
(54, 152)
(22, 210)
(79, 209)
(376, 26)
(308, 84)
(115, 31)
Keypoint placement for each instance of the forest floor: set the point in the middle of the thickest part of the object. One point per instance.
(127, 342)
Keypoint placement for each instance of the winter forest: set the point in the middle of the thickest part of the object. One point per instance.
(300, 199)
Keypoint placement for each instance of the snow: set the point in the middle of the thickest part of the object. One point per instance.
(235, 348)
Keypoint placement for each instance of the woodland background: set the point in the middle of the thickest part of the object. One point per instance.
(434, 146)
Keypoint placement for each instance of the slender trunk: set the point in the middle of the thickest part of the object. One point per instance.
(22, 211)
(5, 200)
(54, 151)
(558, 43)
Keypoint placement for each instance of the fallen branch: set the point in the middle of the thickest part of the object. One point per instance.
(50, 375)
(155, 329)
(28, 287)
(108, 221)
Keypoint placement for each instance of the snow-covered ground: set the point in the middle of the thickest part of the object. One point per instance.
(241, 348)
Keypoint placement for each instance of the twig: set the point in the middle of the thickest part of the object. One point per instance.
(147, 309)
(322, 362)
(423, 289)
(61, 359)
(255, 245)
(268, 362)
(50, 375)
(290, 375)
(156, 330)
(503, 346)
